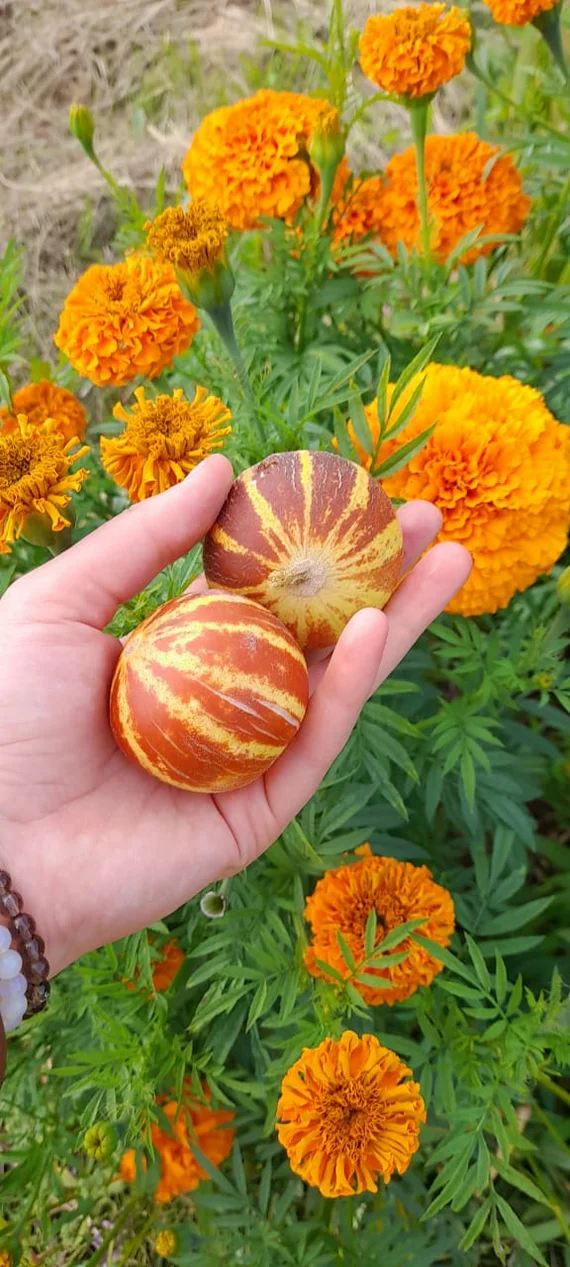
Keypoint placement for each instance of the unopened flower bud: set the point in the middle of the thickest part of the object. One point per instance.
(100, 1140)
(213, 905)
(193, 240)
(82, 127)
(563, 588)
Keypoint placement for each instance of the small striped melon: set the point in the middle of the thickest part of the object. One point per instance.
(208, 692)
(312, 537)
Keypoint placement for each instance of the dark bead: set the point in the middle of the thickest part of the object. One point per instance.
(5, 882)
(34, 949)
(23, 926)
(10, 904)
(37, 996)
(37, 971)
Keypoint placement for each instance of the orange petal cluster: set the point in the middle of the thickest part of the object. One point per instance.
(357, 206)
(191, 1122)
(398, 891)
(121, 320)
(466, 191)
(347, 1116)
(252, 157)
(498, 468)
(414, 50)
(167, 966)
(164, 439)
(42, 400)
(518, 12)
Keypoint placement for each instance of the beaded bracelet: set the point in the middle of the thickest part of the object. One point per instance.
(24, 971)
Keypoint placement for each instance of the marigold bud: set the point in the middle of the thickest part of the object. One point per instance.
(82, 127)
(213, 905)
(37, 530)
(563, 588)
(193, 240)
(100, 1140)
(327, 143)
(166, 1242)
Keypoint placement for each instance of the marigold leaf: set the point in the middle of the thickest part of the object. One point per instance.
(476, 1225)
(419, 363)
(345, 951)
(519, 1231)
(519, 1180)
(478, 962)
(403, 455)
(370, 932)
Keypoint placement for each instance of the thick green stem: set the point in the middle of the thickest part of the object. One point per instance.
(419, 121)
(553, 1087)
(222, 319)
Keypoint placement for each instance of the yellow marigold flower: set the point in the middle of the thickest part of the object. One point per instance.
(39, 401)
(465, 190)
(346, 1116)
(166, 1242)
(498, 467)
(519, 12)
(413, 51)
(191, 1122)
(253, 156)
(163, 440)
(5, 1258)
(398, 891)
(35, 478)
(121, 320)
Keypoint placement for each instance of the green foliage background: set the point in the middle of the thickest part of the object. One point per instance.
(462, 762)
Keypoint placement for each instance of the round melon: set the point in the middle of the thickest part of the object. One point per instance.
(312, 537)
(208, 692)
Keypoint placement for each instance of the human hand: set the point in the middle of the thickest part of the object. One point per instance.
(98, 848)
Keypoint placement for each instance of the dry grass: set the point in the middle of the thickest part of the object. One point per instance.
(148, 69)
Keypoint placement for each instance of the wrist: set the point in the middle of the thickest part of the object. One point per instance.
(24, 969)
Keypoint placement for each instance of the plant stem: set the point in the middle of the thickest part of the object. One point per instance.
(419, 121)
(221, 316)
(553, 1087)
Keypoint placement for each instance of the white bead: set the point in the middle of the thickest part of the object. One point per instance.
(10, 964)
(13, 1012)
(14, 987)
(5, 938)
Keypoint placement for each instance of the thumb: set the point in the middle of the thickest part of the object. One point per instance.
(88, 582)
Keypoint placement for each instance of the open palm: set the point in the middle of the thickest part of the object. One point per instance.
(98, 848)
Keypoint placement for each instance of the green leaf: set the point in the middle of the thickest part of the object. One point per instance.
(330, 971)
(382, 393)
(519, 1231)
(521, 1181)
(345, 951)
(445, 956)
(419, 363)
(360, 423)
(478, 963)
(514, 918)
(399, 934)
(501, 981)
(403, 455)
(476, 1225)
(265, 1188)
(370, 932)
(376, 983)
(483, 1165)
(459, 990)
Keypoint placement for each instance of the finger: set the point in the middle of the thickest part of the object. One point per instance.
(420, 522)
(88, 582)
(421, 597)
(331, 715)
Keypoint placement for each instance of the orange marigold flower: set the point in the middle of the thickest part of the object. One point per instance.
(498, 468)
(357, 206)
(39, 401)
(398, 891)
(346, 1115)
(465, 191)
(121, 320)
(163, 440)
(35, 478)
(518, 12)
(166, 967)
(413, 51)
(253, 156)
(192, 1122)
